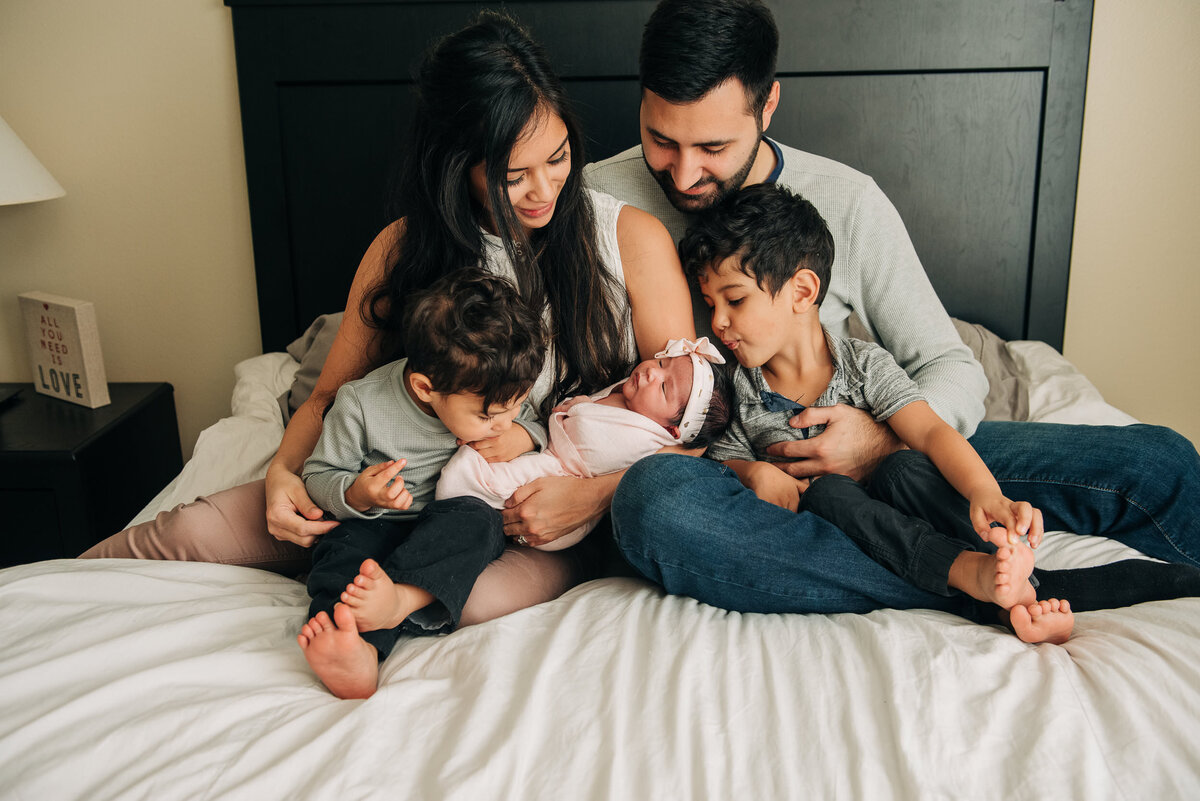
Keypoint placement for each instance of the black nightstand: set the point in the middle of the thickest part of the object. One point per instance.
(71, 476)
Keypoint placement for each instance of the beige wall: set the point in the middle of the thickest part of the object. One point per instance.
(1133, 325)
(132, 105)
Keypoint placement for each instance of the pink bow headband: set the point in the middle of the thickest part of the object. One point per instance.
(704, 354)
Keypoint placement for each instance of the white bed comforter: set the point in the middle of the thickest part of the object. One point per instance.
(127, 680)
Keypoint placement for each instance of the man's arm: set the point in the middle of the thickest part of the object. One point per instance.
(891, 293)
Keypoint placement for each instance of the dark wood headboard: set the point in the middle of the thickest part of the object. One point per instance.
(968, 114)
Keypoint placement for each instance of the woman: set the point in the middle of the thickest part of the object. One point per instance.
(493, 179)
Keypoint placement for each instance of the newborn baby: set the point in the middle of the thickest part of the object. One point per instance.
(676, 398)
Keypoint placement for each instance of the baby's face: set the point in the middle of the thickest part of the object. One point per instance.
(659, 388)
(464, 415)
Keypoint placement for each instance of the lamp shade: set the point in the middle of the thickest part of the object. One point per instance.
(23, 179)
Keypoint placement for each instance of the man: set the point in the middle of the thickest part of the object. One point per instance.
(708, 94)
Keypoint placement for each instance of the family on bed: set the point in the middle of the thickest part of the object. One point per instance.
(522, 288)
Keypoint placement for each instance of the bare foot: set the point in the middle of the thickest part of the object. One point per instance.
(379, 603)
(1043, 621)
(1001, 578)
(1014, 566)
(346, 663)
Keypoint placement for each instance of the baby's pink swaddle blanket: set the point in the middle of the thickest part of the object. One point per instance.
(589, 439)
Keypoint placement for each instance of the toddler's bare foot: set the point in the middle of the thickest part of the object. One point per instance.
(1001, 578)
(344, 662)
(1043, 621)
(1014, 566)
(379, 603)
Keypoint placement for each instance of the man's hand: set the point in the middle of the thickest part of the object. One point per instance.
(291, 514)
(380, 486)
(547, 508)
(505, 447)
(852, 444)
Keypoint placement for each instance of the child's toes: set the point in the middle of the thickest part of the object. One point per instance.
(370, 569)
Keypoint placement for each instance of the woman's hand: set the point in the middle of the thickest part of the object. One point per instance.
(504, 447)
(1016, 519)
(852, 444)
(291, 514)
(549, 507)
(380, 486)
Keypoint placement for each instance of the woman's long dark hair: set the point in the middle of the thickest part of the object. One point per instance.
(478, 91)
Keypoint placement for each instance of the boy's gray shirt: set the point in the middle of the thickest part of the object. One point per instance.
(372, 420)
(865, 376)
(876, 273)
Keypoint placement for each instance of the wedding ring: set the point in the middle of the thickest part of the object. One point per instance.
(522, 541)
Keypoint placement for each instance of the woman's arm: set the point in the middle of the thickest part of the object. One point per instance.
(658, 291)
(550, 507)
(291, 514)
(921, 429)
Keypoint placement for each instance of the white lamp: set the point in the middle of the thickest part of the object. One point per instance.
(23, 179)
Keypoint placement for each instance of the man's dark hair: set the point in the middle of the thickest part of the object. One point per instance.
(772, 231)
(472, 332)
(689, 47)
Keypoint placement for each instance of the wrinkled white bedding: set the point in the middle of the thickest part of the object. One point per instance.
(125, 680)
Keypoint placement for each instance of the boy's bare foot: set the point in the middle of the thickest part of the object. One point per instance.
(1014, 566)
(1001, 578)
(379, 603)
(346, 663)
(1043, 621)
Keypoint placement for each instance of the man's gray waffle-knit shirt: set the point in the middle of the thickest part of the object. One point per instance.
(865, 376)
(876, 272)
(372, 420)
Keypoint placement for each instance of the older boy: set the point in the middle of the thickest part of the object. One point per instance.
(762, 259)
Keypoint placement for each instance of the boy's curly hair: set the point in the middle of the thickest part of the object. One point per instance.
(773, 232)
(471, 332)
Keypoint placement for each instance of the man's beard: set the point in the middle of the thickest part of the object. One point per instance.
(691, 205)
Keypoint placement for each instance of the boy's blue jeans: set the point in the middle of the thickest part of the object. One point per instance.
(691, 526)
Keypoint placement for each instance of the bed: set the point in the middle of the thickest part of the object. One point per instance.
(125, 679)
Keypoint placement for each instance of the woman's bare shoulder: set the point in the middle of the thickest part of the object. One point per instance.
(632, 222)
(644, 241)
(381, 253)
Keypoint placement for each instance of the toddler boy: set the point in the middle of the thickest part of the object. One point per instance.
(401, 561)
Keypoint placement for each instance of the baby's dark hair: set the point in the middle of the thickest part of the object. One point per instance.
(472, 332)
(720, 410)
(773, 232)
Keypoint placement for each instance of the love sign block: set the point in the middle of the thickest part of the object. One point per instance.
(64, 345)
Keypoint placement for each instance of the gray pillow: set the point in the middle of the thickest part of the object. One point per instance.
(1008, 386)
(310, 349)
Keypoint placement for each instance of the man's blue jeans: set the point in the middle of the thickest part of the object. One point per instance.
(691, 526)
